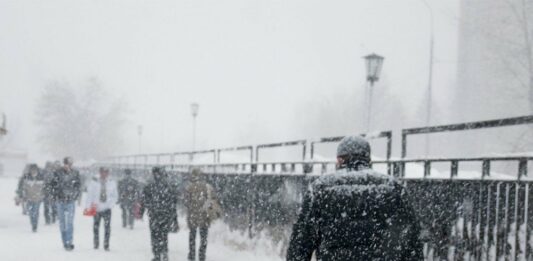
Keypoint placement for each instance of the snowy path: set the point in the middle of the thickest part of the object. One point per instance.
(17, 242)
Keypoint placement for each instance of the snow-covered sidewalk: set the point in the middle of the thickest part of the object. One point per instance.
(18, 243)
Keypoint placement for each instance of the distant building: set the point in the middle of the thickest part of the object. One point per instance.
(495, 73)
(493, 79)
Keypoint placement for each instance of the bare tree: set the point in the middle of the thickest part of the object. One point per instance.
(522, 48)
(81, 121)
(496, 70)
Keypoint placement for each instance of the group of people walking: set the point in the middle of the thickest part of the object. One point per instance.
(33, 189)
(353, 214)
(60, 187)
(160, 199)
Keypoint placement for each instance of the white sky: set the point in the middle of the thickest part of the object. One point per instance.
(247, 62)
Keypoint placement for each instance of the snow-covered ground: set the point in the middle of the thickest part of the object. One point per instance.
(18, 243)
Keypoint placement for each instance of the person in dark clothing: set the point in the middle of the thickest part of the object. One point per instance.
(66, 189)
(159, 198)
(355, 214)
(174, 227)
(50, 211)
(128, 191)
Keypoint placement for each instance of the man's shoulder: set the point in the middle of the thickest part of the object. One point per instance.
(355, 178)
(131, 181)
(149, 186)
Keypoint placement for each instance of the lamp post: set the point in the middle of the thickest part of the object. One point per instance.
(374, 64)
(139, 133)
(194, 110)
(3, 132)
(3, 129)
(430, 73)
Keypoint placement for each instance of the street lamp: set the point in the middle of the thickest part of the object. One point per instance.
(194, 110)
(140, 133)
(430, 73)
(374, 63)
(3, 129)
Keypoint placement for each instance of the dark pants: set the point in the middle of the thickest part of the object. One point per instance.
(50, 212)
(33, 211)
(192, 242)
(159, 229)
(127, 215)
(174, 226)
(106, 215)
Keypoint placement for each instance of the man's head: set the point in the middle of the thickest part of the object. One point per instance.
(195, 174)
(48, 165)
(57, 164)
(127, 173)
(104, 173)
(353, 153)
(68, 161)
(34, 170)
(159, 173)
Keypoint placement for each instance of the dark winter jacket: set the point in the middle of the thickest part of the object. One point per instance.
(159, 198)
(128, 191)
(48, 176)
(20, 185)
(356, 215)
(65, 185)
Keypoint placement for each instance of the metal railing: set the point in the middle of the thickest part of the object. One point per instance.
(464, 217)
(464, 127)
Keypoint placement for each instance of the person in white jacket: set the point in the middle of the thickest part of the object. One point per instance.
(102, 193)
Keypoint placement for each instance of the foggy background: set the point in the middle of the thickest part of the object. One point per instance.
(262, 71)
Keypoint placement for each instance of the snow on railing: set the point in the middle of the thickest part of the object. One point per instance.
(465, 214)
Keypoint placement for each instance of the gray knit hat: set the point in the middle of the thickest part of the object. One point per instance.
(354, 146)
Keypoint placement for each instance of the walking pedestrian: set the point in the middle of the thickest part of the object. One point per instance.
(32, 194)
(50, 210)
(102, 194)
(159, 198)
(128, 190)
(355, 214)
(202, 208)
(19, 199)
(66, 189)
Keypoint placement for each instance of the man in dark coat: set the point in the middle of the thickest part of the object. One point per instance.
(50, 210)
(128, 191)
(65, 189)
(356, 214)
(159, 199)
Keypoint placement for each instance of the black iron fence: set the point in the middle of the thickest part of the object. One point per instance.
(464, 217)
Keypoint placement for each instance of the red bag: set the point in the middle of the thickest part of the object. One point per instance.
(90, 212)
(137, 210)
